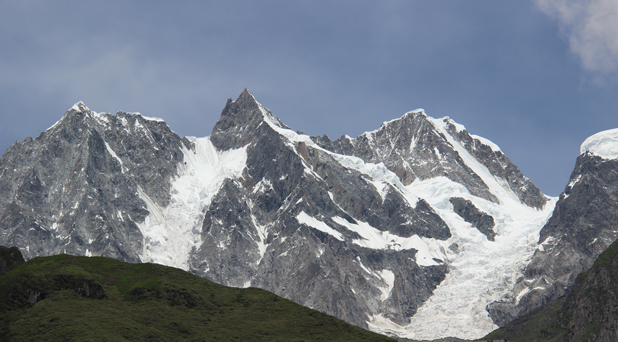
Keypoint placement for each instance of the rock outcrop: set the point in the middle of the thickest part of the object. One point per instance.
(10, 258)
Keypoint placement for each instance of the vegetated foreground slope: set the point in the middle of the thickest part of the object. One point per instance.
(588, 313)
(73, 298)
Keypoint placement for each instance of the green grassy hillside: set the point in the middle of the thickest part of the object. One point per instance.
(69, 298)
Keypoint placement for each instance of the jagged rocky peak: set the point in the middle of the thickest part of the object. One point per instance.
(391, 144)
(417, 146)
(75, 116)
(79, 115)
(240, 121)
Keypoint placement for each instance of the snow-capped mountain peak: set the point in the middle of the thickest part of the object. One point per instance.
(80, 107)
(603, 144)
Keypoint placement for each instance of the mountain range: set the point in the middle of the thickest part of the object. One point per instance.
(418, 229)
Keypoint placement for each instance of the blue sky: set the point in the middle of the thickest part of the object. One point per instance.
(536, 77)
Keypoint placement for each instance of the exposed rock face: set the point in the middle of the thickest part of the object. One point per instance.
(360, 228)
(584, 224)
(10, 258)
(501, 166)
(479, 220)
(594, 301)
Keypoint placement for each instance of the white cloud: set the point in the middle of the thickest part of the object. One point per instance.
(592, 30)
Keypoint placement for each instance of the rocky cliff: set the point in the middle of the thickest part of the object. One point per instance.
(10, 258)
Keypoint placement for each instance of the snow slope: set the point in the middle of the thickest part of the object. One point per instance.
(171, 233)
(480, 272)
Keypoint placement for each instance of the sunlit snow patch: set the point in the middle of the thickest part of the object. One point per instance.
(151, 118)
(303, 218)
(389, 279)
(429, 250)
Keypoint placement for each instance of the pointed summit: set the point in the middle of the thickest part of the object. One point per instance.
(246, 96)
(239, 113)
(75, 115)
(240, 120)
(80, 107)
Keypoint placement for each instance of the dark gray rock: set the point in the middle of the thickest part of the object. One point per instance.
(471, 214)
(240, 122)
(10, 258)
